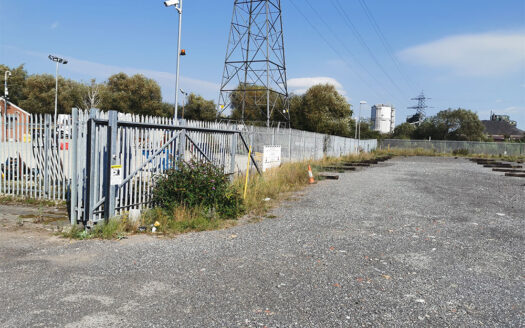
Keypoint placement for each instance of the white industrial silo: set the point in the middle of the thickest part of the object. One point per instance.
(383, 118)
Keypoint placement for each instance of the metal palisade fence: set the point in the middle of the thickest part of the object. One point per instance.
(104, 164)
(35, 156)
(448, 146)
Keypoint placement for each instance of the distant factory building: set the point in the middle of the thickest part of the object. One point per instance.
(502, 128)
(383, 118)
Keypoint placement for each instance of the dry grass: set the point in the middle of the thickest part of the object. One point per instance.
(11, 200)
(276, 183)
(272, 184)
(182, 220)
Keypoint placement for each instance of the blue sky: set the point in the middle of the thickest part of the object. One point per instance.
(468, 53)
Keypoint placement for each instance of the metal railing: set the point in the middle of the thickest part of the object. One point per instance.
(448, 146)
(35, 157)
(72, 159)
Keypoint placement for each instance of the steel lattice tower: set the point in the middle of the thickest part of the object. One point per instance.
(420, 109)
(255, 63)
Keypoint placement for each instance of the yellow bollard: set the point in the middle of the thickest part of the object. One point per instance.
(247, 172)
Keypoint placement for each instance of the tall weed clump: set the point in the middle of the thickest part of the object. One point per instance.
(273, 183)
(197, 185)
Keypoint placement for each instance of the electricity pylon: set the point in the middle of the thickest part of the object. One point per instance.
(421, 107)
(255, 66)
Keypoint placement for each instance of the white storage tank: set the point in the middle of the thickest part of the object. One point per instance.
(383, 118)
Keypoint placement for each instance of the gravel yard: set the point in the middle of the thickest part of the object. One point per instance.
(408, 243)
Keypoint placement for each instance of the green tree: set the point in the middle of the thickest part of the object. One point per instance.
(326, 111)
(39, 95)
(367, 132)
(450, 124)
(460, 124)
(91, 94)
(16, 82)
(404, 131)
(297, 112)
(166, 110)
(136, 94)
(429, 128)
(255, 108)
(199, 109)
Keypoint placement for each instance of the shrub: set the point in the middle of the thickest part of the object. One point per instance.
(460, 152)
(197, 184)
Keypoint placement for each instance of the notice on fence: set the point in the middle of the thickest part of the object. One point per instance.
(116, 175)
(271, 157)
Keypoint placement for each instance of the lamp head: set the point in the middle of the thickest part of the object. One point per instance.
(362, 102)
(58, 59)
(170, 3)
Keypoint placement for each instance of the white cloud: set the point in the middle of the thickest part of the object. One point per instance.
(301, 85)
(488, 54)
(513, 110)
(54, 25)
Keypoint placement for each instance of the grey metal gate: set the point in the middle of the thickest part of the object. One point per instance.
(137, 150)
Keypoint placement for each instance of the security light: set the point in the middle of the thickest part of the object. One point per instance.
(58, 59)
(171, 3)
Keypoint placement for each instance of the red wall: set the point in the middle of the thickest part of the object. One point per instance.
(21, 128)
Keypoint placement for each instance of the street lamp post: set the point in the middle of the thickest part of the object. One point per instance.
(361, 103)
(62, 61)
(6, 94)
(178, 6)
(183, 102)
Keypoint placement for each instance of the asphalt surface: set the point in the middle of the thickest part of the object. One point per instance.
(414, 242)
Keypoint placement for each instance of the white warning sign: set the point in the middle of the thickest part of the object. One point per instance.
(116, 175)
(271, 157)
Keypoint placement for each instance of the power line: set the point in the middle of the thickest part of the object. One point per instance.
(339, 8)
(321, 35)
(378, 82)
(385, 42)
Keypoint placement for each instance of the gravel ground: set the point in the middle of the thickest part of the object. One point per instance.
(411, 242)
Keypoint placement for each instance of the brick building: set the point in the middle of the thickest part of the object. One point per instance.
(14, 124)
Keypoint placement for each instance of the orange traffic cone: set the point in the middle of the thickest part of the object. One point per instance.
(310, 175)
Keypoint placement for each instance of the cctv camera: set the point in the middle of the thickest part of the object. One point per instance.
(171, 3)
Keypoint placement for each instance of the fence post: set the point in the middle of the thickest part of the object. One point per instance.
(182, 144)
(73, 189)
(303, 157)
(233, 151)
(252, 135)
(290, 144)
(47, 139)
(314, 152)
(110, 192)
(90, 172)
